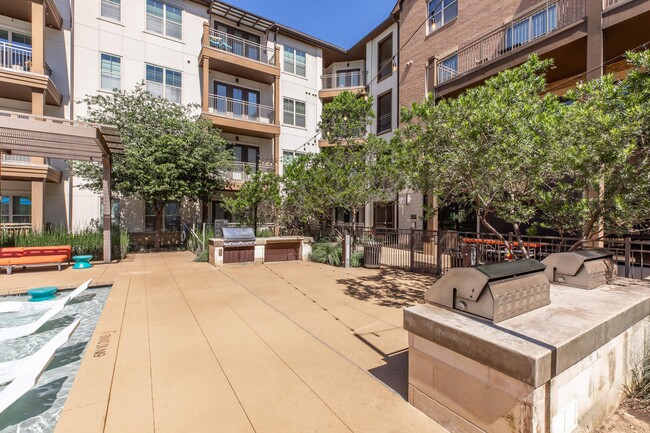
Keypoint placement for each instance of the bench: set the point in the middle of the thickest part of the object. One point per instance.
(30, 256)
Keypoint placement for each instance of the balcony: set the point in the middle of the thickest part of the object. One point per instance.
(22, 10)
(241, 117)
(243, 171)
(17, 78)
(544, 29)
(239, 57)
(334, 84)
(23, 168)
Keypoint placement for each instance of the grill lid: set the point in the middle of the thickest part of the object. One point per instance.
(234, 234)
(570, 263)
(511, 269)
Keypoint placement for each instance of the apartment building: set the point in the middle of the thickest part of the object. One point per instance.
(457, 44)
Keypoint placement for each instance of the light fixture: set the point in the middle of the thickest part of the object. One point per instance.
(394, 64)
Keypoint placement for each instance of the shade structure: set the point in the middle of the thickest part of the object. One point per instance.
(50, 137)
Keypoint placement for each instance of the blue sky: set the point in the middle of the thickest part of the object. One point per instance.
(352, 19)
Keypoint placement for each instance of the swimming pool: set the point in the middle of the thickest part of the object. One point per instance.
(38, 410)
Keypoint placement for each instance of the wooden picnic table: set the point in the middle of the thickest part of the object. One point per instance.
(500, 242)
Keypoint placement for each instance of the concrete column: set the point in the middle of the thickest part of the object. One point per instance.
(38, 36)
(276, 100)
(205, 100)
(594, 39)
(38, 215)
(38, 102)
(106, 201)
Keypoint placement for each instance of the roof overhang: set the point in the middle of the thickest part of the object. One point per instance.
(241, 16)
(25, 134)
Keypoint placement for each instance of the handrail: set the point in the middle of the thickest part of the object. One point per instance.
(559, 14)
(610, 3)
(19, 58)
(230, 107)
(344, 80)
(243, 171)
(241, 47)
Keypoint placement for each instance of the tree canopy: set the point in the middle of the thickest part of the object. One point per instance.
(169, 154)
(259, 199)
(346, 117)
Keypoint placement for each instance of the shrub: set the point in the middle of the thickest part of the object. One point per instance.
(356, 259)
(638, 389)
(327, 253)
(202, 256)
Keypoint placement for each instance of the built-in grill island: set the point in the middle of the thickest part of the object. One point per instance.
(500, 349)
(238, 244)
(494, 292)
(585, 269)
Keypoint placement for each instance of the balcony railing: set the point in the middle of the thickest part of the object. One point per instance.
(241, 47)
(16, 158)
(546, 19)
(18, 58)
(243, 171)
(243, 110)
(344, 80)
(609, 3)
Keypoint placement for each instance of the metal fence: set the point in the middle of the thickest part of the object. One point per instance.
(436, 252)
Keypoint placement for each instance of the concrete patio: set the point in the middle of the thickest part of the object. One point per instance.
(285, 347)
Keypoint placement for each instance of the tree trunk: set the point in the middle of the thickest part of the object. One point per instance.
(204, 211)
(158, 208)
(520, 242)
(498, 235)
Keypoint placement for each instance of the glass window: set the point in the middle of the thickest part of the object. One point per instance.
(164, 83)
(16, 210)
(164, 19)
(21, 40)
(172, 217)
(4, 35)
(149, 218)
(294, 113)
(295, 61)
(111, 9)
(4, 209)
(441, 12)
(448, 68)
(384, 113)
(532, 27)
(385, 66)
(111, 72)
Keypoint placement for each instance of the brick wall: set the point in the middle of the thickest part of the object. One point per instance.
(475, 19)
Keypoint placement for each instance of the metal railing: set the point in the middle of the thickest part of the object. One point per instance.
(239, 109)
(243, 171)
(16, 158)
(609, 3)
(11, 229)
(241, 47)
(438, 251)
(550, 17)
(342, 80)
(18, 58)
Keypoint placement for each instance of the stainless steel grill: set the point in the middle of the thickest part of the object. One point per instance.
(494, 292)
(238, 237)
(585, 269)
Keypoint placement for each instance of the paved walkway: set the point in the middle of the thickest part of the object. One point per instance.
(286, 347)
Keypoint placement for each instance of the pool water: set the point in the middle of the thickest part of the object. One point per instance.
(38, 410)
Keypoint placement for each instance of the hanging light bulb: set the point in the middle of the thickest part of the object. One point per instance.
(394, 64)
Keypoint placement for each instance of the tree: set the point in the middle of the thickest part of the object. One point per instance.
(345, 118)
(487, 148)
(603, 171)
(259, 199)
(169, 154)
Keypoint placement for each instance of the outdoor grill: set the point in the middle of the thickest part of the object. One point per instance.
(585, 269)
(238, 244)
(494, 292)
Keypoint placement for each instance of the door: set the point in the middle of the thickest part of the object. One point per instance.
(239, 254)
(282, 252)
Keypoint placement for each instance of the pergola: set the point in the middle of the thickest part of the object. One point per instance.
(49, 137)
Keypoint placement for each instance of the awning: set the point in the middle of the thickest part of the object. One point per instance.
(241, 16)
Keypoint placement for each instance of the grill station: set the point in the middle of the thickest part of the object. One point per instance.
(238, 244)
(585, 269)
(494, 292)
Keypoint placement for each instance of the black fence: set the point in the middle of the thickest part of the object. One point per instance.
(435, 252)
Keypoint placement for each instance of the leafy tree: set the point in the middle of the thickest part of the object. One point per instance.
(259, 199)
(345, 119)
(169, 154)
(603, 168)
(487, 148)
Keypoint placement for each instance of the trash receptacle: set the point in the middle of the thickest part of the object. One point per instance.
(371, 255)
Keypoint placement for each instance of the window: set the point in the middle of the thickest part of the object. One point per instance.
(111, 9)
(171, 218)
(165, 83)
(238, 102)
(238, 42)
(16, 210)
(447, 68)
(111, 67)
(295, 61)
(164, 19)
(348, 78)
(294, 113)
(441, 12)
(532, 27)
(385, 66)
(289, 157)
(384, 113)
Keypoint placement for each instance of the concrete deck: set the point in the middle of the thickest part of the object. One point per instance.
(284, 347)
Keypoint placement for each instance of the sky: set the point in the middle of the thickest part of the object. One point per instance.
(340, 22)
